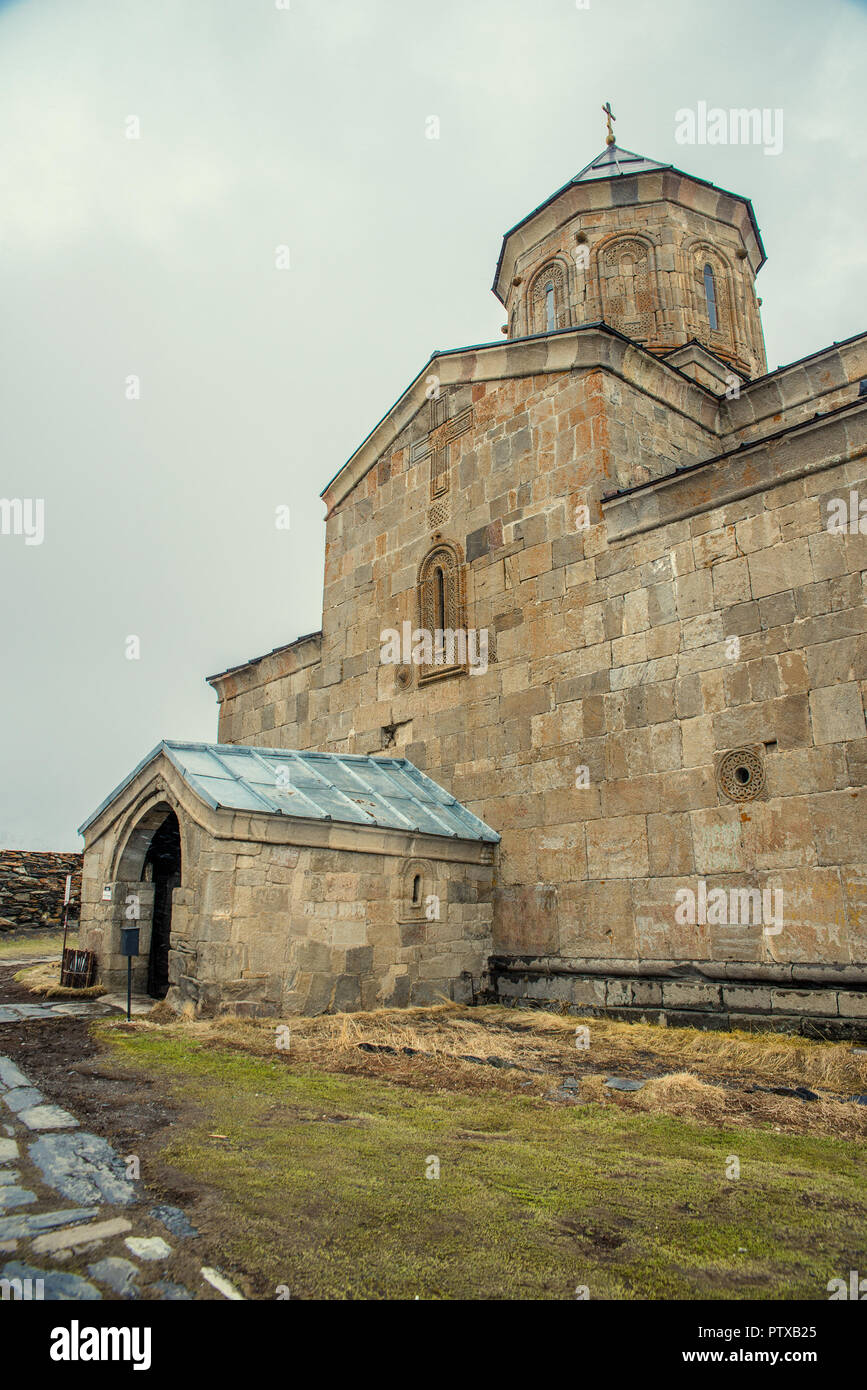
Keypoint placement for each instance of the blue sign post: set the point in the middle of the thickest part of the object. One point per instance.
(129, 948)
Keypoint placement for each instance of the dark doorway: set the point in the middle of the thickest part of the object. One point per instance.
(162, 867)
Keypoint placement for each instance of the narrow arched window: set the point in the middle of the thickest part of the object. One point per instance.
(440, 598)
(442, 610)
(550, 315)
(710, 298)
(416, 890)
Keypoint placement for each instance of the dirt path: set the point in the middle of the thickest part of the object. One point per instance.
(81, 1217)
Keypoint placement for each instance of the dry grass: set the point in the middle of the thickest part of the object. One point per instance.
(704, 1077)
(686, 1096)
(775, 1057)
(43, 980)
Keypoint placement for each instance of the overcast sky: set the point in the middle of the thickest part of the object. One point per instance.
(305, 127)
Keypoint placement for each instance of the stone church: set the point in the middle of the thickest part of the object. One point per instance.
(584, 724)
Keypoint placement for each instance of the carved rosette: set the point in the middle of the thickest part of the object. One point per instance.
(741, 774)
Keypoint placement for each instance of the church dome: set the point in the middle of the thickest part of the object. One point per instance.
(660, 256)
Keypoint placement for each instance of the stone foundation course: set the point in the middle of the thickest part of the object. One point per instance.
(828, 1004)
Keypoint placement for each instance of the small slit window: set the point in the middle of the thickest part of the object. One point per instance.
(416, 883)
(550, 309)
(710, 298)
(440, 598)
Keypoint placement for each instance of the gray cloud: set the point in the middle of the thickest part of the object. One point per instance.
(156, 257)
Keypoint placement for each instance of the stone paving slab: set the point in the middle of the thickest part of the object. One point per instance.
(18, 1227)
(84, 1168)
(72, 1009)
(20, 1013)
(174, 1220)
(141, 1004)
(15, 1197)
(119, 1275)
(58, 1287)
(10, 1076)
(23, 1098)
(173, 1293)
(148, 1247)
(29, 1010)
(48, 1117)
(218, 1281)
(80, 1237)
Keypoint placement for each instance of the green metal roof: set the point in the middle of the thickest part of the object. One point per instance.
(351, 788)
(615, 162)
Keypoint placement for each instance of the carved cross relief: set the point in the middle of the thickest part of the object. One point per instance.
(437, 441)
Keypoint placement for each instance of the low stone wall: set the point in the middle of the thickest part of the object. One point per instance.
(824, 1002)
(32, 885)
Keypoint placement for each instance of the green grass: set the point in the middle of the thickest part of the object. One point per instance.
(19, 945)
(322, 1188)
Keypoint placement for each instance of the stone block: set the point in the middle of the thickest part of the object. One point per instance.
(777, 834)
(646, 993)
(814, 915)
(617, 848)
(697, 741)
(805, 1001)
(839, 821)
(681, 994)
(852, 1003)
(534, 561)
(731, 583)
(744, 999)
(837, 713)
(669, 839)
(618, 993)
(347, 994)
(694, 594)
(586, 992)
(783, 566)
(596, 920)
(716, 839)
(658, 933)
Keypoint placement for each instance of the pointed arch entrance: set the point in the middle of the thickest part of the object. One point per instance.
(150, 869)
(162, 867)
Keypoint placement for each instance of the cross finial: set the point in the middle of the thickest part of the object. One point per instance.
(609, 116)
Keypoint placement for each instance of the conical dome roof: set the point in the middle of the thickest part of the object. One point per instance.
(613, 162)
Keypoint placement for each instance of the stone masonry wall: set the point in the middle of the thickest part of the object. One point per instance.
(291, 929)
(32, 885)
(269, 928)
(594, 740)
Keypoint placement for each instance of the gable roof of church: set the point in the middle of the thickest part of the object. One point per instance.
(351, 788)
